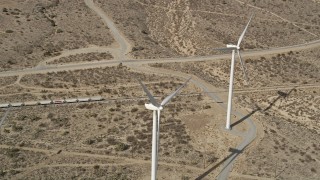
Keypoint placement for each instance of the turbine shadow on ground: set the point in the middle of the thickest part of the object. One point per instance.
(4, 117)
(234, 152)
(244, 118)
(281, 94)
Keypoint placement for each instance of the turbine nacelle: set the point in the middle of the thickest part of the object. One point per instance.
(233, 47)
(153, 107)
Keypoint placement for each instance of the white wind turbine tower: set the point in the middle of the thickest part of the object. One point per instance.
(234, 48)
(156, 108)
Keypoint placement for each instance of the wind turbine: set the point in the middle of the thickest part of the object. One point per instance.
(234, 48)
(156, 108)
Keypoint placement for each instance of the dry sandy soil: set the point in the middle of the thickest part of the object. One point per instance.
(83, 57)
(283, 98)
(112, 139)
(289, 147)
(115, 136)
(193, 27)
(119, 132)
(290, 69)
(110, 82)
(34, 30)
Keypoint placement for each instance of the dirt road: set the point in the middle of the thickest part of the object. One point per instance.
(125, 46)
(97, 64)
(124, 49)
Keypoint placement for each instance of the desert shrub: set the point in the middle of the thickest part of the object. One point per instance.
(14, 152)
(141, 102)
(85, 106)
(90, 141)
(122, 147)
(50, 116)
(138, 48)
(111, 141)
(14, 172)
(11, 62)
(38, 133)
(9, 31)
(143, 144)
(6, 131)
(102, 119)
(185, 177)
(141, 136)
(22, 118)
(60, 121)
(212, 159)
(101, 126)
(2, 173)
(59, 30)
(113, 130)
(134, 109)
(17, 128)
(178, 149)
(35, 118)
(94, 115)
(131, 139)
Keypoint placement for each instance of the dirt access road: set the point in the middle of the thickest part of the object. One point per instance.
(125, 46)
(128, 62)
(124, 49)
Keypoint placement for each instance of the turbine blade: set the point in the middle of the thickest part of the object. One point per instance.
(244, 31)
(168, 98)
(244, 69)
(151, 98)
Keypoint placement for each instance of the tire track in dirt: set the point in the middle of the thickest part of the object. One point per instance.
(278, 16)
(220, 13)
(93, 49)
(123, 159)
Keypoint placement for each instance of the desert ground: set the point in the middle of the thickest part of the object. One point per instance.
(83, 48)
